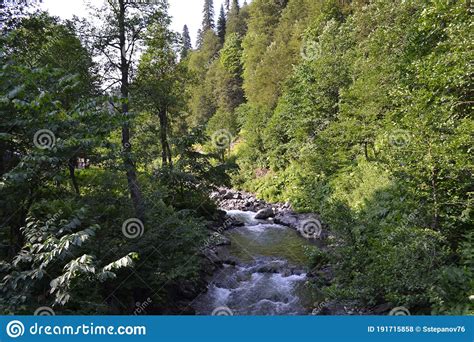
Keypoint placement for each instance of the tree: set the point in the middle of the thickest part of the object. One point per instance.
(203, 64)
(235, 8)
(221, 25)
(237, 19)
(41, 42)
(208, 15)
(11, 12)
(117, 44)
(228, 84)
(186, 43)
(159, 82)
(47, 119)
(199, 38)
(264, 18)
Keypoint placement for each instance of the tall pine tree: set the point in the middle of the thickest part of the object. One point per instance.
(208, 15)
(221, 25)
(187, 45)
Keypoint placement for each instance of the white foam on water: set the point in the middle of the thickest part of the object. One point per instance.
(220, 295)
(248, 217)
(265, 286)
(248, 290)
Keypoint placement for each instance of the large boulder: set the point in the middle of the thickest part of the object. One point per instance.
(264, 214)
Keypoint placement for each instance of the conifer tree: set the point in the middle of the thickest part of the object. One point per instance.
(221, 25)
(187, 45)
(235, 21)
(208, 15)
(235, 8)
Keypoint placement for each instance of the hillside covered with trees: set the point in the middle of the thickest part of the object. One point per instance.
(114, 132)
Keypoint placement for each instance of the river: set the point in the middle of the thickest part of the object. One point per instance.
(269, 275)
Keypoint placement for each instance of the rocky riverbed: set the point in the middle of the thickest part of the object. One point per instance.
(253, 259)
(309, 226)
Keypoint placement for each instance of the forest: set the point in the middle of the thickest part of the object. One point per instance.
(115, 131)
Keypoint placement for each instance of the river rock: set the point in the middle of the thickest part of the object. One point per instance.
(382, 308)
(228, 195)
(288, 219)
(229, 199)
(212, 256)
(263, 214)
(217, 239)
(276, 266)
(231, 222)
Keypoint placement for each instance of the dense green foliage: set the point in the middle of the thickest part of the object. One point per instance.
(65, 194)
(360, 111)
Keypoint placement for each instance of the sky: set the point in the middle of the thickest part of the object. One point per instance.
(187, 12)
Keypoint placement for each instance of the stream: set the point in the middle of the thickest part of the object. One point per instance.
(269, 275)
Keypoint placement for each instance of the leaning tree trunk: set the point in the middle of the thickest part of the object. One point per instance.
(133, 186)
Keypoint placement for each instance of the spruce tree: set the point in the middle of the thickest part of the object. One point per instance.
(221, 25)
(208, 15)
(187, 45)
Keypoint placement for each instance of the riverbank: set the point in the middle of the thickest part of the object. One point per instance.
(243, 227)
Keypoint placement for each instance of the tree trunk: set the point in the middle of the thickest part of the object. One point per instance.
(72, 174)
(166, 156)
(17, 240)
(133, 186)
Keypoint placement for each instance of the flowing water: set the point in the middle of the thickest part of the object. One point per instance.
(269, 276)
